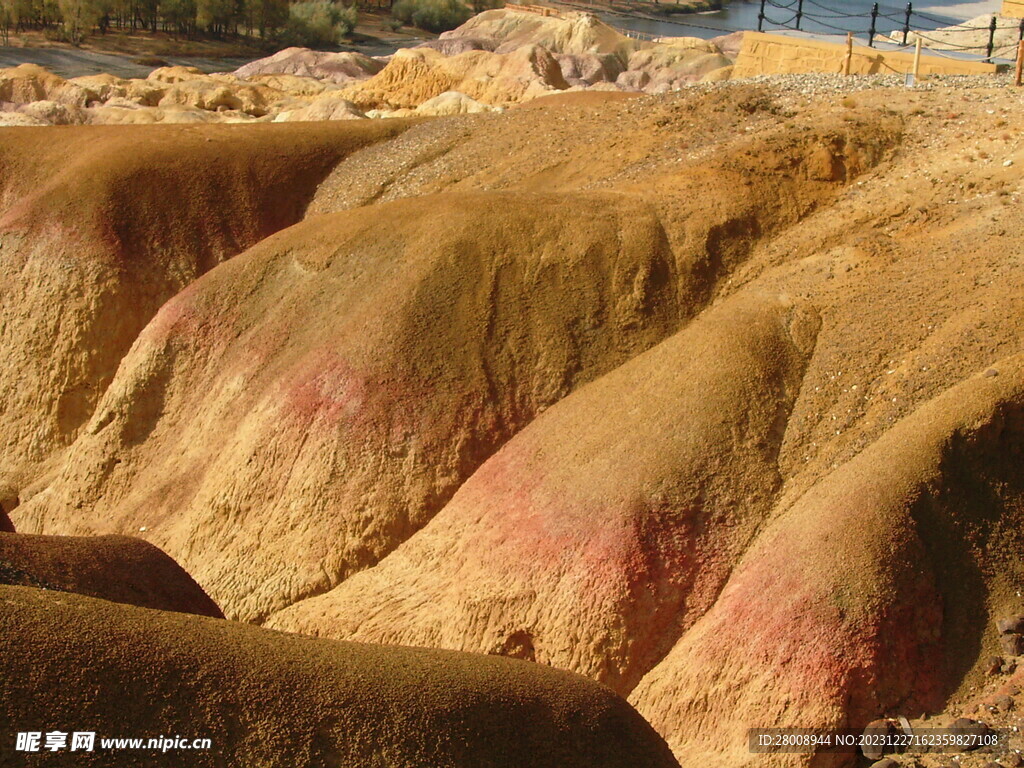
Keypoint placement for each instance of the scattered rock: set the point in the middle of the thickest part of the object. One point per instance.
(1003, 703)
(1012, 645)
(1012, 624)
(967, 726)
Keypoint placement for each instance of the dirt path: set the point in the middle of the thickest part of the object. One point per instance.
(68, 62)
(74, 62)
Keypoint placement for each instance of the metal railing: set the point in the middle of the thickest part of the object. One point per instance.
(830, 18)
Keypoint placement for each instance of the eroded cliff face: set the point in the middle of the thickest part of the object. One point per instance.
(713, 398)
(99, 227)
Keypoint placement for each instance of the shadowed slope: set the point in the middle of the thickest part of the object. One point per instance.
(266, 698)
(100, 226)
(115, 568)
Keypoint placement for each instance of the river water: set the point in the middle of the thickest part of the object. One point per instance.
(819, 16)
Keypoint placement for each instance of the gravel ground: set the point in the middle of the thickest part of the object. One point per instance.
(823, 84)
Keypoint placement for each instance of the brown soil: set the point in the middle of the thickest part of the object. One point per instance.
(266, 698)
(101, 227)
(714, 397)
(115, 568)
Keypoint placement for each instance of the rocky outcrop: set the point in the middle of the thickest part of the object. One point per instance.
(589, 68)
(674, 64)
(318, 65)
(27, 83)
(331, 105)
(568, 33)
(498, 58)
(416, 75)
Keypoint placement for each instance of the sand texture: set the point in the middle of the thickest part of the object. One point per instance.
(714, 398)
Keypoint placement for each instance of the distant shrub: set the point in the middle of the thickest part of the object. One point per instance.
(432, 15)
(77, 18)
(319, 23)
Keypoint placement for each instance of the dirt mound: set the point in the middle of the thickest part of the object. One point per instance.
(671, 66)
(716, 397)
(115, 568)
(319, 65)
(415, 75)
(328, 106)
(868, 592)
(100, 229)
(378, 404)
(268, 698)
(595, 554)
(573, 33)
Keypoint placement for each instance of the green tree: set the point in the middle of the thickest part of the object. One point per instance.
(78, 17)
(432, 15)
(180, 15)
(215, 15)
(7, 20)
(265, 16)
(319, 23)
